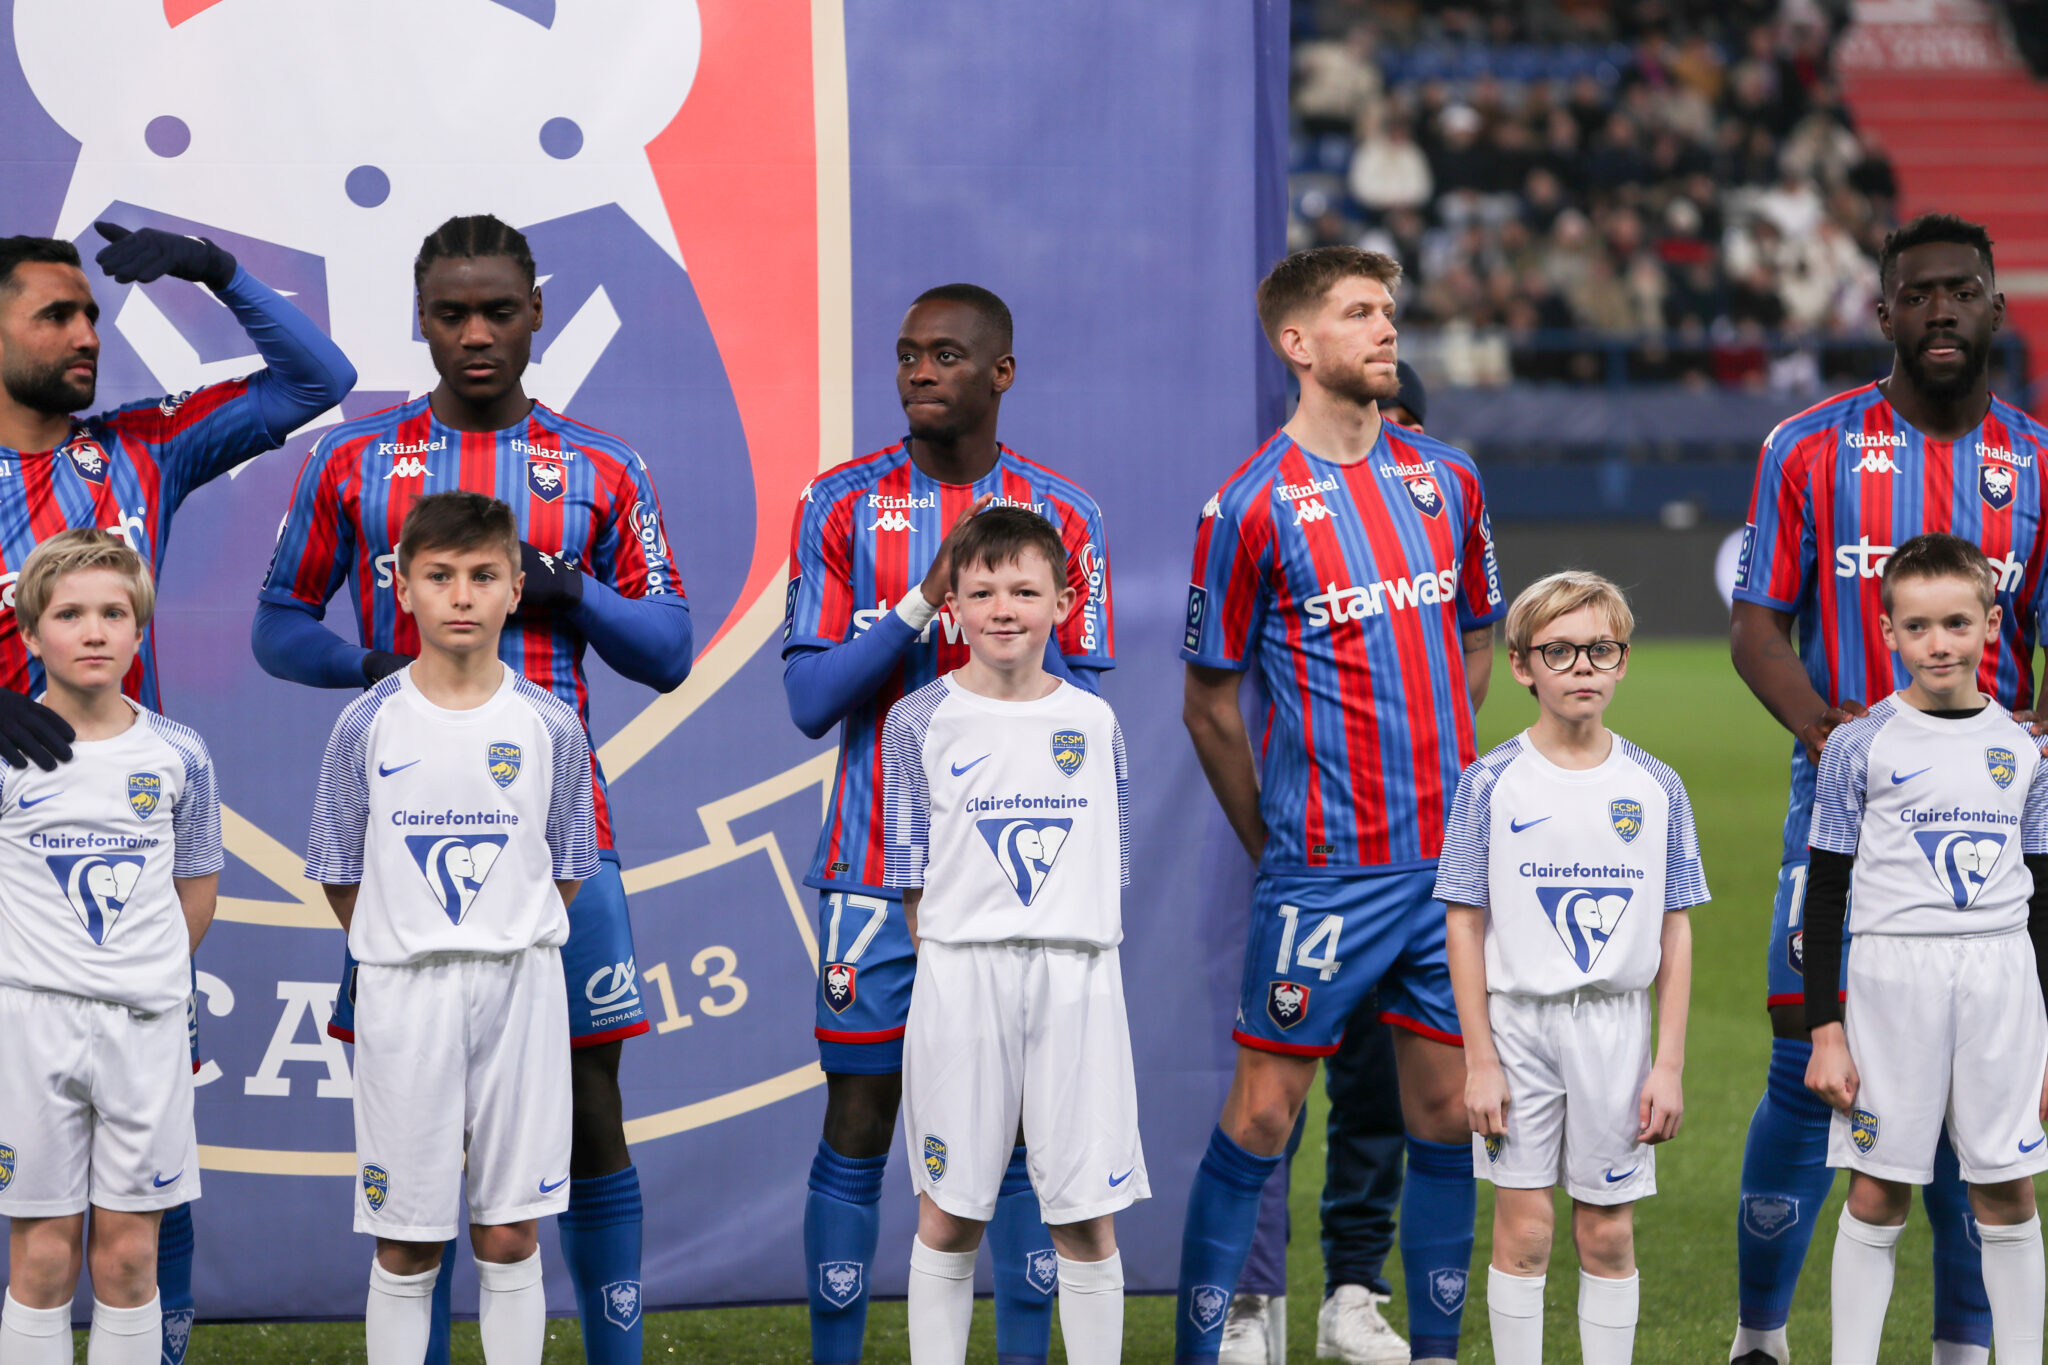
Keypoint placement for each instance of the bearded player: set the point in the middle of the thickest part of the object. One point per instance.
(1927, 448)
(871, 549)
(597, 576)
(127, 471)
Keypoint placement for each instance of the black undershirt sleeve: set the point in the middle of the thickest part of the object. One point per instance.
(2037, 916)
(1820, 943)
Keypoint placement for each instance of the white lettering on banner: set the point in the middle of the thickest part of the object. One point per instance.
(1864, 560)
(313, 1002)
(1389, 594)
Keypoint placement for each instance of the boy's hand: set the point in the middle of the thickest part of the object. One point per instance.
(1662, 1107)
(1486, 1098)
(938, 579)
(1831, 1073)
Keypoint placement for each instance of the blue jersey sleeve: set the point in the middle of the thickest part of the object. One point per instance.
(1087, 638)
(1777, 559)
(1227, 590)
(1480, 601)
(635, 614)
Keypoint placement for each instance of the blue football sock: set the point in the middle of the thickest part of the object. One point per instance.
(1961, 1311)
(1223, 1211)
(442, 1329)
(1785, 1180)
(1439, 1201)
(842, 1219)
(601, 1242)
(174, 1280)
(1027, 1277)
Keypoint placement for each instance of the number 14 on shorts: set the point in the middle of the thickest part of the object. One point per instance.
(1318, 952)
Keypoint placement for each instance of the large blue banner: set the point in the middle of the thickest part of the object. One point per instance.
(731, 203)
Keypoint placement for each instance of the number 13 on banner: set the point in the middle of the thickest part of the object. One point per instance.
(721, 979)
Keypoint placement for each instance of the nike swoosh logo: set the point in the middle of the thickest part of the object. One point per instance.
(959, 768)
(26, 802)
(383, 771)
(546, 1188)
(1614, 1179)
(161, 1182)
(1896, 779)
(2030, 1146)
(1116, 1180)
(1517, 826)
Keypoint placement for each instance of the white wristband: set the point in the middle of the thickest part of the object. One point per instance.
(915, 611)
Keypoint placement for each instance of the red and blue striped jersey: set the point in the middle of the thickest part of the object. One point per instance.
(577, 492)
(1843, 484)
(125, 471)
(864, 535)
(1347, 587)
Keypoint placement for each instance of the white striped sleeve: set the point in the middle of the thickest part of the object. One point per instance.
(1685, 880)
(572, 800)
(1123, 802)
(1462, 876)
(2034, 816)
(1838, 788)
(906, 789)
(195, 820)
(341, 807)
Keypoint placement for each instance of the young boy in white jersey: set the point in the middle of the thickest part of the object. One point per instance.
(453, 825)
(1568, 867)
(1006, 823)
(1931, 816)
(108, 870)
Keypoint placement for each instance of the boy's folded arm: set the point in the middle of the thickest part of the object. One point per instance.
(1826, 911)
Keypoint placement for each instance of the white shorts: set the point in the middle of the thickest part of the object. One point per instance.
(461, 1053)
(95, 1107)
(1575, 1069)
(1944, 1029)
(1029, 1029)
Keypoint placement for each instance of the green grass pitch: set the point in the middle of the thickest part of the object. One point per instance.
(1683, 703)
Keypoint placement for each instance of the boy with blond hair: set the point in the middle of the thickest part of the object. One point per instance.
(1568, 866)
(108, 872)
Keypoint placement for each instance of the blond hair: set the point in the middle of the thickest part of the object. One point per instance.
(1561, 594)
(80, 550)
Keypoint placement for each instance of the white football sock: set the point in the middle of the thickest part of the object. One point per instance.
(126, 1336)
(1865, 1255)
(512, 1311)
(1960, 1353)
(35, 1336)
(1514, 1310)
(1607, 1318)
(941, 1304)
(399, 1316)
(2013, 1282)
(1771, 1341)
(1092, 1310)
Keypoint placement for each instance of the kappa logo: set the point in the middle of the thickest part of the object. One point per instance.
(1213, 507)
(168, 405)
(1042, 1271)
(145, 790)
(88, 459)
(1767, 1215)
(455, 867)
(504, 763)
(1311, 511)
(1962, 860)
(1877, 462)
(545, 480)
(1863, 1129)
(408, 467)
(1995, 484)
(1286, 1003)
(1026, 850)
(1627, 818)
(7, 1160)
(177, 1333)
(622, 1304)
(839, 1282)
(934, 1158)
(893, 521)
(615, 985)
(1206, 1306)
(1585, 917)
(1427, 497)
(840, 982)
(1447, 1289)
(1495, 1145)
(2003, 765)
(98, 886)
(376, 1186)
(1069, 750)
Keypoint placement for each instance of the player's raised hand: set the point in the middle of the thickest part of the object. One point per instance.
(1814, 734)
(31, 732)
(1831, 1072)
(1486, 1098)
(938, 579)
(151, 253)
(1662, 1107)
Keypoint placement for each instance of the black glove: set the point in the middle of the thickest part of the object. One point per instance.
(31, 732)
(380, 664)
(151, 253)
(552, 582)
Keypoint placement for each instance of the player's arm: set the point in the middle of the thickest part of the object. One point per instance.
(911, 898)
(1760, 643)
(341, 899)
(1838, 806)
(1480, 600)
(567, 890)
(1071, 655)
(631, 606)
(31, 732)
(196, 853)
(1486, 1085)
(1662, 1106)
(1209, 709)
(289, 636)
(197, 897)
(1478, 647)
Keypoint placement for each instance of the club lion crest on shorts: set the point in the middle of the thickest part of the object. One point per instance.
(1069, 750)
(1627, 818)
(504, 763)
(6, 1165)
(2003, 765)
(1206, 1305)
(839, 981)
(1286, 1003)
(145, 790)
(1495, 1145)
(934, 1158)
(839, 1282)
(376, 1186)
(1863, 1129)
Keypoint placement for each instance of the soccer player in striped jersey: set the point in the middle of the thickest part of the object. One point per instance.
(1927, 448)
(1350, 563)
(127, 471)
(597, 575)
(871, 555)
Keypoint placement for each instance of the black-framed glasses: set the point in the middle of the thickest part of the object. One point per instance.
(1561, 656)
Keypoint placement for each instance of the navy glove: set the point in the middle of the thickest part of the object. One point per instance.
(380, 664)
(31, 732)
(552, 582)
(151, 253)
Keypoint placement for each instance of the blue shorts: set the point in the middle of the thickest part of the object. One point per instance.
(1786, 972)
(866, 966)
(597, 964)
(1321, 944)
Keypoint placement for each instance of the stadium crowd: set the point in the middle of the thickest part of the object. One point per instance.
(1679, 174)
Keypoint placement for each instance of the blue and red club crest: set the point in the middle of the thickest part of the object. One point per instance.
(1424, 493)
(1996, 484)
(546, 479)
